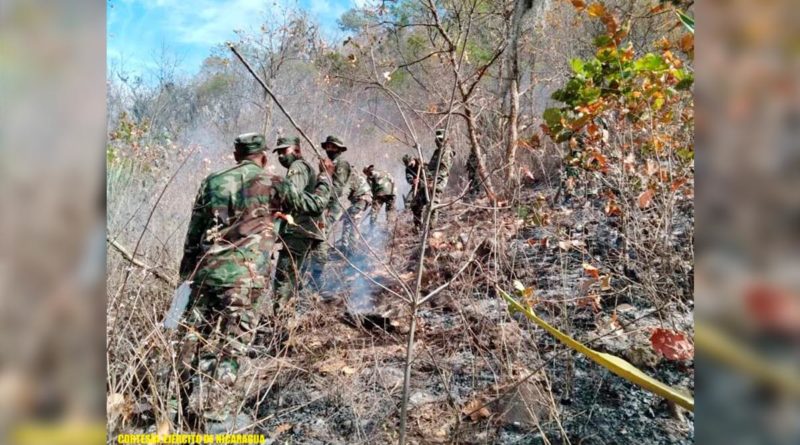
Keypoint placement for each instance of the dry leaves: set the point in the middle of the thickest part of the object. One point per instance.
(672, 344)
(596, 9)
(526, 293)
(591, 271)
(605, 282)
(579, 4)
(590, 301)
(475, 410)
(612, 208)
(334, 365)
(280, 429)
(687, 43)
(645, 198)
(676, 184)
(544, 242)
(570, 244)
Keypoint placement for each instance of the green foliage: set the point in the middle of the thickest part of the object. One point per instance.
(353, 20)
(111, 155)
(614, 77)
(215, 85)
(646, 99)
(399, 78)
(403, 11)
(522, 211)
(416, 43)
(650, 62)
(129, 131)
(478, 52)
(334, 61)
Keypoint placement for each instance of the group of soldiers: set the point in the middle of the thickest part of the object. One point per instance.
(242, 216)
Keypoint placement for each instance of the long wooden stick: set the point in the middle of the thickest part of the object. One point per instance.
(127, 255)
(275, 99)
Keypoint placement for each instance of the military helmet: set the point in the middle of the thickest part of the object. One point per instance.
(333, 140)
(406, 159)
(249, 143)
(368, 169)
(285, 142)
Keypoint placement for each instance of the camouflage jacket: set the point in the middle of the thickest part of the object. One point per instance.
(382, 184)
(341, 183)
(231, 232)
(447, 155)
(360, 189)
(304, 195)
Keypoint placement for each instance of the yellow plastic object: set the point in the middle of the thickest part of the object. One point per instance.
(613, 363)
(720, 346)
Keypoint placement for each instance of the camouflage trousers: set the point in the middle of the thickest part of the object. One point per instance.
(377, 203)
(219, 330)
(355, 213)
(417, 206)
(316, 262)
(291, 259)
(439, 188)
(472, 175)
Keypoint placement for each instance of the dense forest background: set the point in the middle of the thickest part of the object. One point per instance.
(581, 115)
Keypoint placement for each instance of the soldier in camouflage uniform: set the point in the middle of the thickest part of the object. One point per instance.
(318, 257)
(416, 199)
(439, 170)
(226, 256)
(472, 175)
(304, 195)
(334, 147)
(360, 197)
(383, 193)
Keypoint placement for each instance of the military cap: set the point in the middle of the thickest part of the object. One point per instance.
(333, 140)
(249, 143)
(440, 134)
(284, 142)
(368, 169)
(406, 159)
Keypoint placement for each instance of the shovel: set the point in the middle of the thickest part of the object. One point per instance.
(180, 299)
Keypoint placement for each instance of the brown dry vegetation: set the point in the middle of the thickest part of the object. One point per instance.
(595, 225)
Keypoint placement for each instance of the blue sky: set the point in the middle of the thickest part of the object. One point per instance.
(138, 29)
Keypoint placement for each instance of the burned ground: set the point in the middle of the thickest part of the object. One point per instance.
(479, 374)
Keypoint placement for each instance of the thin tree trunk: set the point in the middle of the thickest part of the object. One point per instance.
(478, 152)
(521, 7)
(513, 131)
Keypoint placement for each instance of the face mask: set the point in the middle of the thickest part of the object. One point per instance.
(286, 159)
